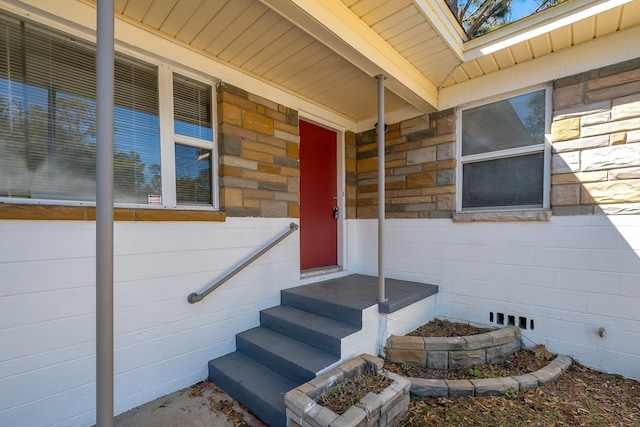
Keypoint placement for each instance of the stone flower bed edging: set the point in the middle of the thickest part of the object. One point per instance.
(454, 352)
(421, 387)
(381, 409)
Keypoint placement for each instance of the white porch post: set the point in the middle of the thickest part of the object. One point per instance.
(104, 213)
(381, 190)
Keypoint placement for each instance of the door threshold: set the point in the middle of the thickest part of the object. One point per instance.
(319, 271)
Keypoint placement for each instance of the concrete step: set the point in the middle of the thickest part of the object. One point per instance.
(259, 388)
(318, 331)
(291, 358)
(322, 305)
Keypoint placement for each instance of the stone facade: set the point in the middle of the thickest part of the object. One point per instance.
(596, 142)
(351, 175)
(420, 168)
(595, 165)
(258, 156)
(454, 352)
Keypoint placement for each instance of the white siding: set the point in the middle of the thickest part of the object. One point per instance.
(571, 275)
(163, 343)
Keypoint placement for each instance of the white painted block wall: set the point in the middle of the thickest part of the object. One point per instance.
(571, 275)
(163, 343)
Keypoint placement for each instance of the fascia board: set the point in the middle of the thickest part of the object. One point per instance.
(334, 25)
(443, 22)
(544, 22)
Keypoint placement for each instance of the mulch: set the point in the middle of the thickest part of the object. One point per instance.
(580, 397)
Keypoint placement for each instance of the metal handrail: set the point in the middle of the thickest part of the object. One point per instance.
(195, 297)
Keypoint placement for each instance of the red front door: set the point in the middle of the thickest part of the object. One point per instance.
(318, 191)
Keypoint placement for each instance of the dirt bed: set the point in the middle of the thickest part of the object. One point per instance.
(522, 362)
(580, 397)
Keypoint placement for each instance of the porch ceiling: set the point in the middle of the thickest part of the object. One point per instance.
(328, 52)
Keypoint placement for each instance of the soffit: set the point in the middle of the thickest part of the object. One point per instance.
(327, 52)
(553, 30)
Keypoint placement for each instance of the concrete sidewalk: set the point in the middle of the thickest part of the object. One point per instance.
(201, 405)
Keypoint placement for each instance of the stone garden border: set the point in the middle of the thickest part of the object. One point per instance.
(421, 387)
(374, 409)
(466, 352)
(454, 352)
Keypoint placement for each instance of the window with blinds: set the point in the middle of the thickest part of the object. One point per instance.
(503, 153)
(193, 129)
(48, 118)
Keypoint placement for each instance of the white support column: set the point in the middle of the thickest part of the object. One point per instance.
(381, 190)
(104, 213)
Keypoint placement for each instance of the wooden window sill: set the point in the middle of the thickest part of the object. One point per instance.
(88, 213)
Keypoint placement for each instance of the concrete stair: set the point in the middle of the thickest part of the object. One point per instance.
(293, 343)
(316, 327)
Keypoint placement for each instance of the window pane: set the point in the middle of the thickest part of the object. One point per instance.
(47, 133)
(192, 108)
(509, 123)
(193, 175)
(137, 133)
(513, 181)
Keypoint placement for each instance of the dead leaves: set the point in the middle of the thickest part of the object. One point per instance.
(541, 352)
(580, 397)
(227, 408)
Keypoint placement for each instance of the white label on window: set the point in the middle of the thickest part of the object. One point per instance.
(153, 199)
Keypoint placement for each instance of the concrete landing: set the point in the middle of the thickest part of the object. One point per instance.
(359, 292)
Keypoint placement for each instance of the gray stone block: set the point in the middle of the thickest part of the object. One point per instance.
(466, 359)
(509, 348)
(547, 374)
(421, 387)
(444, 344)
(395, 410)
(526, 381)
(353, 417)
(504, 335)
(460, 388)
(438, 359)
(494, 386)
(325, 382)
(373, 362)
(299, 402)
(476, 342)
(494, 355)
(371, 404)
(352, 367)
(563, 362)
(318, 416)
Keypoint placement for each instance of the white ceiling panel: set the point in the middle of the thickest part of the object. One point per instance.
(328, 51)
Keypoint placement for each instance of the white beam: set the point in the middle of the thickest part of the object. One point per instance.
(444, 23)
(334, 25)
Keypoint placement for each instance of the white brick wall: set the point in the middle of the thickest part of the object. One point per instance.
(570, 275)
(163, 343)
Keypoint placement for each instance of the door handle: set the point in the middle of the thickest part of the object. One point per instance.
(336, 212)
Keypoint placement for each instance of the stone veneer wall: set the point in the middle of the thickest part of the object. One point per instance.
(351, 174)
(596, 142)
(420, 168)
(258, 156)
(595, 166)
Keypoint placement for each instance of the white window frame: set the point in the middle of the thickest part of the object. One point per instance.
(168, 139)
(544, 147)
